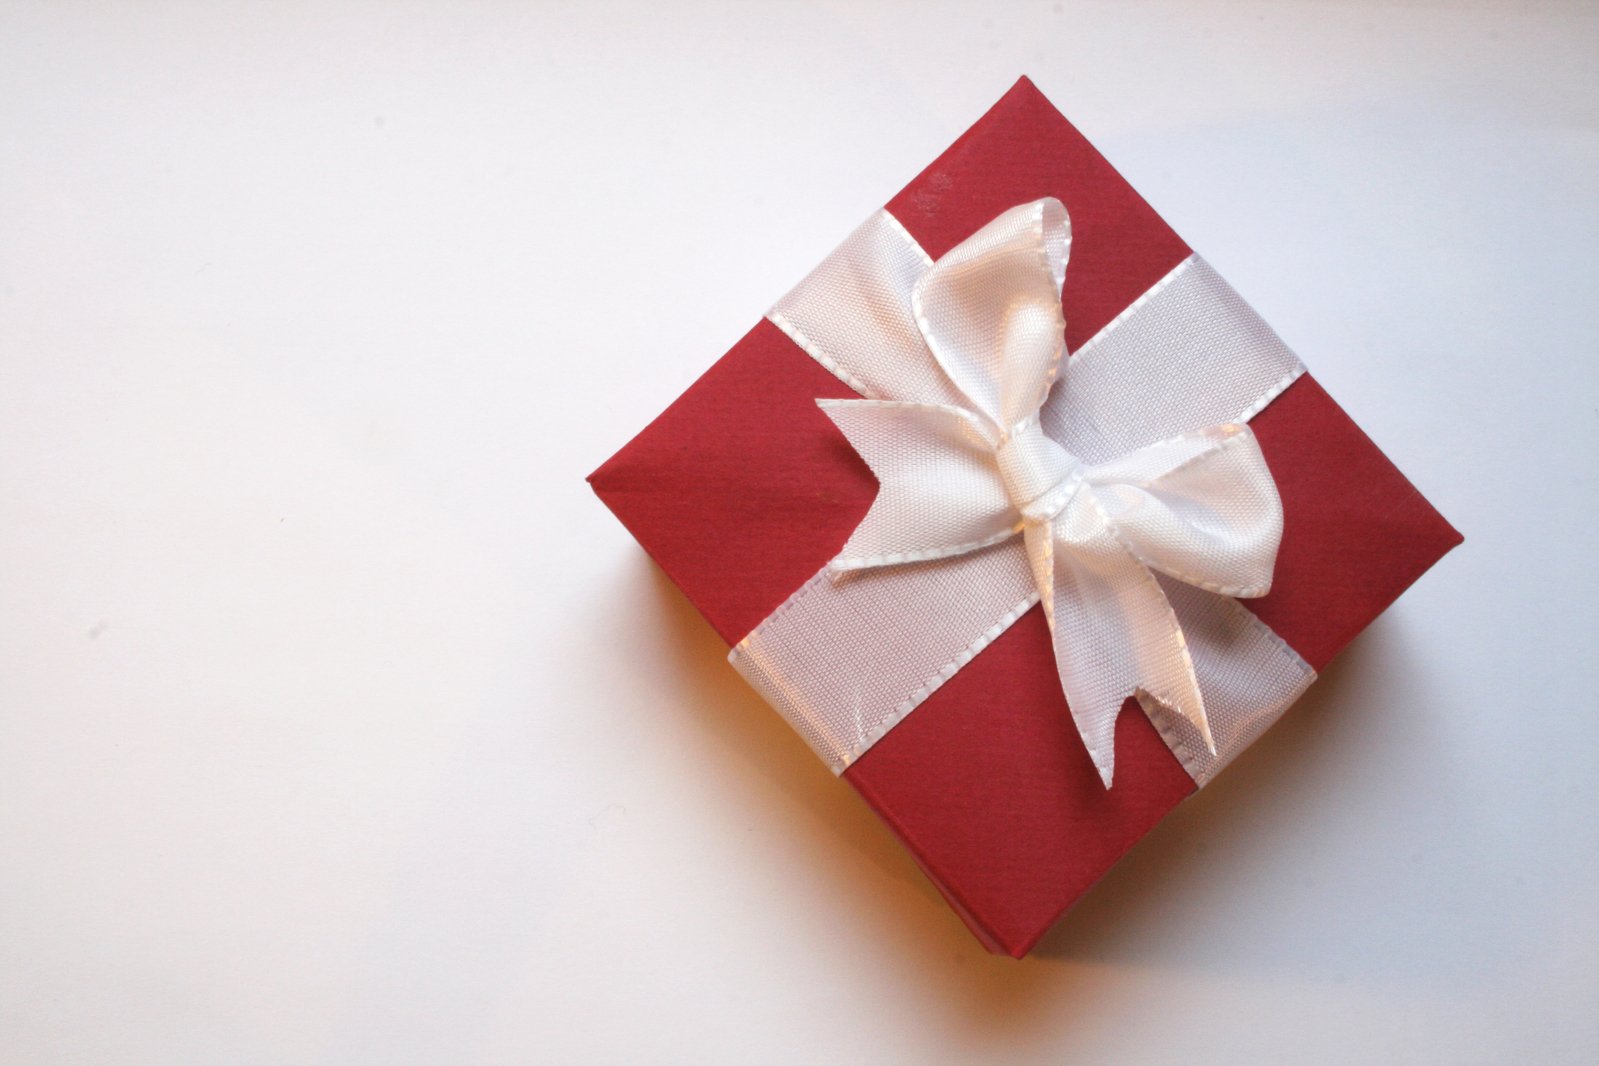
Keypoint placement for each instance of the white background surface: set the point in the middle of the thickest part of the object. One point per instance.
(339, 723)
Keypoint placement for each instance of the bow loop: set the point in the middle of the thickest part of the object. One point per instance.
(1201, 508)
(990, 311)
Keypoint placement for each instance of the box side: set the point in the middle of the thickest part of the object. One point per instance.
(989, 782)
(742, 489)
(1357, 533)
(1024, 149)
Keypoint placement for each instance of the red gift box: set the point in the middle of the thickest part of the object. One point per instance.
(742, 490)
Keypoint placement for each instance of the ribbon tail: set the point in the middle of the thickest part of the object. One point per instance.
(1115, 635)
(939, 494)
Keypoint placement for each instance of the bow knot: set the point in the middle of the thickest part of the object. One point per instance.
(1200, 508)
(1038, 474)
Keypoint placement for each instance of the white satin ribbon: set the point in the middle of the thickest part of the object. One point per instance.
(992, 497)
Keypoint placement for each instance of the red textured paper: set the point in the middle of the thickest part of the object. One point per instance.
(742, 490)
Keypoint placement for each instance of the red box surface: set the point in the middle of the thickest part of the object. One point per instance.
(742, 490)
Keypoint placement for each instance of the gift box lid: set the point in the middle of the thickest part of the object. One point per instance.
(742, 490)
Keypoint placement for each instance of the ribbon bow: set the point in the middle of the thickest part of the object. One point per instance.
(1200, 508)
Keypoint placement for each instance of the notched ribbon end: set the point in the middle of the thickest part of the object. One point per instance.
(1194, 716)
(1202, 723)
(1106, 772)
